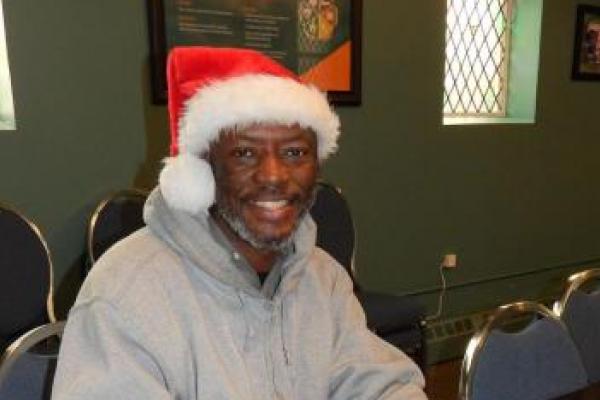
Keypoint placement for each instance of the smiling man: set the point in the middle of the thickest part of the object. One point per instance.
(224, 294)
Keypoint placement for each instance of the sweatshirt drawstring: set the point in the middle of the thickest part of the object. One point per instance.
(286, 353)
(248, 330)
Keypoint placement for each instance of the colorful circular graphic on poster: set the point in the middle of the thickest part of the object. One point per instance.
(317, 19)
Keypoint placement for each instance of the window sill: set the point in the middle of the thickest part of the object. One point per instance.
(7, 126)
(486, 120)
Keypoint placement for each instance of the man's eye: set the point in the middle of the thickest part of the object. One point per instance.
(243, 152)
(295, 152)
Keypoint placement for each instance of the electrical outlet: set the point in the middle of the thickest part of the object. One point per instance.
(449, 261)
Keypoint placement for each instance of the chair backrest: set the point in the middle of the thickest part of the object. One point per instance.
(26, 276)
(27, 366)
(535, 363)
(579, 308)
(335, 229)
(115, 217)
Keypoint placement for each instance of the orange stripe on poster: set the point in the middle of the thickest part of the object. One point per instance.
(333, 72)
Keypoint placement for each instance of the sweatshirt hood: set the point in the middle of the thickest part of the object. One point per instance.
(192, 236)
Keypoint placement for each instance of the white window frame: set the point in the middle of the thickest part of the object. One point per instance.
(522, 69)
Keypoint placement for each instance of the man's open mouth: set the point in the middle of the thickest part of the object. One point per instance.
(271, 204)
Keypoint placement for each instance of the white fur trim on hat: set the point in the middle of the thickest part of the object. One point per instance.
(187, 183)
(256, 98)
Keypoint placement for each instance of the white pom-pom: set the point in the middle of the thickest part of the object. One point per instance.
(187, 183)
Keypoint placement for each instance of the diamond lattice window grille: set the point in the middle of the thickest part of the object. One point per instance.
(477, 37)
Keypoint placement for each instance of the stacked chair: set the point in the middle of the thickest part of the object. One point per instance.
(26, 284)
(28, 357)
(538, 362)
(115, 217)
(579, 308)
(28, 365)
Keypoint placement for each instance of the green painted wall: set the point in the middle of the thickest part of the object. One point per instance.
(507, 199)
(84, 122)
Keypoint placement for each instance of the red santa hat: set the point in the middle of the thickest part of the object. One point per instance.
(213, 89)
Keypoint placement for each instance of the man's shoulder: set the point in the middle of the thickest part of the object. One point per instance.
(128, 266)
(325, 268)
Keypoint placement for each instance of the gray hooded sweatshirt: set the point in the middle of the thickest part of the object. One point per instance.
(172, 312)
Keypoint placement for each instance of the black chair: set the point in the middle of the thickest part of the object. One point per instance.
(115, 217)
(28, 365)
(579, 308)
(536, 362)
(400, 320)
(26, 270)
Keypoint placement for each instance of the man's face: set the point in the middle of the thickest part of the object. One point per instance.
(265, 176)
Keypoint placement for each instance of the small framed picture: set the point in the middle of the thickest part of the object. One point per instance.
(586, 54)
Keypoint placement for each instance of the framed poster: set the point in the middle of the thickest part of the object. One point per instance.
(320, 40)
(586, 53)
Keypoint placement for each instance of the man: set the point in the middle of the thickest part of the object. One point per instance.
(224, 295)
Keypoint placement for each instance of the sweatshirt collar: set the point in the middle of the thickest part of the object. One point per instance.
(197, 239)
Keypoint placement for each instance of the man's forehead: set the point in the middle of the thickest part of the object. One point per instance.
(268, 131)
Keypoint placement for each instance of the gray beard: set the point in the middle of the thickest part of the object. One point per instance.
(237, 225)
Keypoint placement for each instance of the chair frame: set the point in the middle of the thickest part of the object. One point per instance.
(574, 282)
(501, 315)
(98, 210)
(25, 342)
(36, 230)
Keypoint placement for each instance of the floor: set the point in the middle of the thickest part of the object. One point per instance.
(442, 380)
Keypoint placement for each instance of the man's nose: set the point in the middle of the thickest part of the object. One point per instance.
(272, 170)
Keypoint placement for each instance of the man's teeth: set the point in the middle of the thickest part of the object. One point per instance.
(271, 205)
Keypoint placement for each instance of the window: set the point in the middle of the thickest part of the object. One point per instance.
(7, 111)
(476, 57)
(492, 55)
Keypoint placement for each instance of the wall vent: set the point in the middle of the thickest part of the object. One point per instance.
(465, 325)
